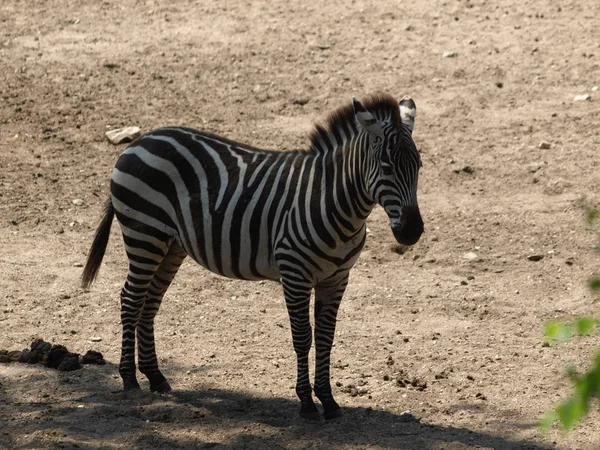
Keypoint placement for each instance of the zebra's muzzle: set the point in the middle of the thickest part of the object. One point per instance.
(409, 228)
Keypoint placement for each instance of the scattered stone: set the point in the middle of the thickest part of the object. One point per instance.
(499, 84)
(465, 169)
(470, 256)
(595, 88)
(95, 339)
(449, 55)
(535, 257)
(77, 202)
(351, 389)
(544, 145)
(464, 283)
(122, 135)
(300, 101)
(480, 396)
(582, 98)
(441, 376)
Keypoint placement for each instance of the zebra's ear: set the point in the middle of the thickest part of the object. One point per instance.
(408, 112)
(366, 120)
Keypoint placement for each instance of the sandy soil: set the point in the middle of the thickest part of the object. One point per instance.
(465, 330)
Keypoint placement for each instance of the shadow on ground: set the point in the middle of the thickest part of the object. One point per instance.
(47, 409)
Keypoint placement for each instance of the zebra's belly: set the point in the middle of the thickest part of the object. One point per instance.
(258, 270)
(234, 255)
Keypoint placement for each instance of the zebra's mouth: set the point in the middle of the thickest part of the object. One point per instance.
(405, 239)
(409, 228)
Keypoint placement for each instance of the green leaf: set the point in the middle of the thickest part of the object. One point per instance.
(591, 215)
(585, 325)
(570, 412)
(557, 331)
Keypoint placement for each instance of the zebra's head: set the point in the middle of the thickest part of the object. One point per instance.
(393, 167)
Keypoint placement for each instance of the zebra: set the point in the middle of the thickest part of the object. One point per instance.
(298, 217)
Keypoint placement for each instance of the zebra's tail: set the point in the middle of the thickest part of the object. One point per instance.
(96, 254)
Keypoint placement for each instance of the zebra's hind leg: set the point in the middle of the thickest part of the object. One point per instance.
(161, 281)
(297, 299)
(142, 266)
(328, 295)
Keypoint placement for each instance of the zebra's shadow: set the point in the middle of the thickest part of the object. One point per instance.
(95, 413)
(358, 428)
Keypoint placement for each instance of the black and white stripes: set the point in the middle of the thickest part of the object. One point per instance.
(246, 213)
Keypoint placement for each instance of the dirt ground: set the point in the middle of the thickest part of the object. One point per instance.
(460, 315)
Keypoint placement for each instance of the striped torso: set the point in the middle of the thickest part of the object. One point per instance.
(240, 211)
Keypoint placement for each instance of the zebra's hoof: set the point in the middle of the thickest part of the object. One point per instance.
(162, 387)
(332, 414)
(308, 409)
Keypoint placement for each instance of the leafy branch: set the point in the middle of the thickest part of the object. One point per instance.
(586, 387)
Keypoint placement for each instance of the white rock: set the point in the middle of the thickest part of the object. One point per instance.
(96, 339)
(77, 202)
(449, 55)
(595, 88)
(121, 135)
(582, 98)
(470, 256)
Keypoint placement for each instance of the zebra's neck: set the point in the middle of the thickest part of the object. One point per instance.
(340, 173)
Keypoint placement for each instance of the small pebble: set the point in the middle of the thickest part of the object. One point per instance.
(449, 55)
(470, 256)
(77, 202)
(535, 257)
(95, 339)
(544, 145)
(582, 98)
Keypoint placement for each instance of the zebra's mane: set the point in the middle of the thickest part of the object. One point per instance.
(341, 123)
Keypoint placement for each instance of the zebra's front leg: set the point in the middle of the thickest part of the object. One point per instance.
(328, 295)
(297, 300)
